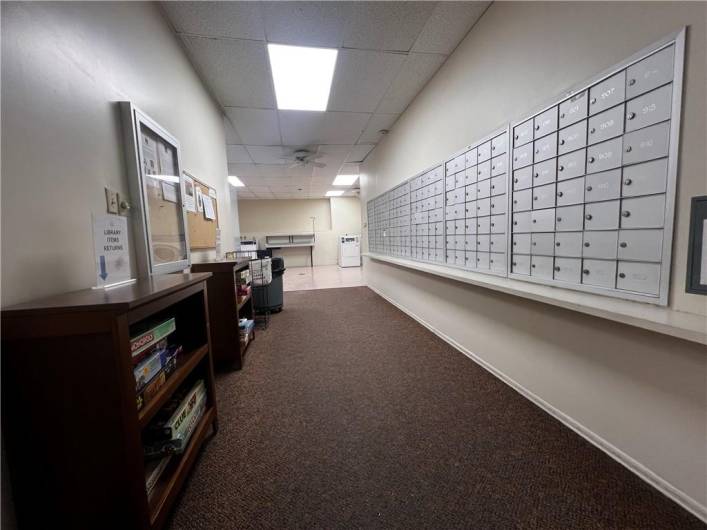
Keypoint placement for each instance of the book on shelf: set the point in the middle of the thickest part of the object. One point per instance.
(150, 367)
(151, 337)
(170, 432)
(153, 471)
(149, 391)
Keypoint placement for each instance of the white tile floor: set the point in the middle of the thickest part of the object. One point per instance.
(321, 277)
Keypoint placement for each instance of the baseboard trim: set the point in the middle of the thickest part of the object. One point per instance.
(665, 487)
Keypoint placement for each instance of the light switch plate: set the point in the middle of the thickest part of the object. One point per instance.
(111, 201)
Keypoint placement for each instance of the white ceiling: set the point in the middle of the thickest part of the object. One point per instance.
(387, 53)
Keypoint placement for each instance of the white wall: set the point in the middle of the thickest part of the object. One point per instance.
(642, 393)
(333, 217)
(64, 65)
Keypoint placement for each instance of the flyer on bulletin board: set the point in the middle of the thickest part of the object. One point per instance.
(189, 193)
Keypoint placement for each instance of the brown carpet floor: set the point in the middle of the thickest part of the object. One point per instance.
(355, 416)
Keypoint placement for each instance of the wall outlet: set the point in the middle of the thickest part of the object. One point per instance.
(111, 201)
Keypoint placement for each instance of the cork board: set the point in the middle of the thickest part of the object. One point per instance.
(202, 231)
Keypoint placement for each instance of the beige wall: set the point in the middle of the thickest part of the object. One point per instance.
(641, 394)
(64, 65)
(333, 217)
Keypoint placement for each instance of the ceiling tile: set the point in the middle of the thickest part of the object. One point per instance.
(417, 70)
(251, 180)
(255, 126)
(391, 26)
(376, 123)
(264, 154)
(306, 23)
(238, 20)
(448, 25)
(237, 70)
(271, 170)
(236, 154)
(361, 79)
(359, 153)
(243, 193)
(230, 133)
(306, 128)
(242, 169)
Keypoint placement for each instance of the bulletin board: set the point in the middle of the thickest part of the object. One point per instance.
(202, 231)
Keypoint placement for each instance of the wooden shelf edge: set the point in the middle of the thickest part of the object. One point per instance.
(184, 367)
(162, 500)
(240, 305)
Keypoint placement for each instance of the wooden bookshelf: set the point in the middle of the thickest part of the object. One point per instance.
(226, 310)
(70, 421)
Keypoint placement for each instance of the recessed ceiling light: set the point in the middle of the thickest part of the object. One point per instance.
(345, 180)
(235, 181)
(302, 76)
(334, 193)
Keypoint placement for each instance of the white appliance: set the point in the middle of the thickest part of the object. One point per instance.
(350, 251)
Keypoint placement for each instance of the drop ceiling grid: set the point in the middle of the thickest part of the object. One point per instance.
(388, 51)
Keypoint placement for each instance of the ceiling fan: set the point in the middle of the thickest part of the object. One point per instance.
(304, 157)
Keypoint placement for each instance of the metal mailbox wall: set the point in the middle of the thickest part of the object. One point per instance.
(583, 197)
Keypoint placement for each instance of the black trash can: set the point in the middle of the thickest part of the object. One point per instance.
(268, 298)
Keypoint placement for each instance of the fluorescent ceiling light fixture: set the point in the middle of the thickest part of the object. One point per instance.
(334, 193)
(302, 76)
(345, 180)
(235, 182)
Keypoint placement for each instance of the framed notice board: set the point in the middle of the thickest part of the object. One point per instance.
(202, 213)
(697, 249)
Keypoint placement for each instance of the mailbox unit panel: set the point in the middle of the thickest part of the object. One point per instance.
(595, 194)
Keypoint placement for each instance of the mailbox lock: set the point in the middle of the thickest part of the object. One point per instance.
(515, 180)
(537, 151)
(492, 224)
(515, 158)
(516, 136)
(515, 222)
(626, 213)
(537, 127)
(557, 244)
(631, 115)
(562, 115)
(535, 243)
(536, 175)
(562, 142)
(533, 265)
(535, 220)
(623, 244)
(586, 243)
(594, 100)
(535, 198)
(515, 243)
(493, 167)
(559, 194)
(592, 130)
(559, 219)
(585, 271)
(515, 201)
(493, 148)
(562, 168)
(622, 275)
(631, 82)
(628, 148)
(589, 188)
(514, 264)
(588, 217)
(557, 268)
(591, 159)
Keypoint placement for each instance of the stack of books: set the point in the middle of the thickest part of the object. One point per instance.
(245, 329)
(153, 360)
(170, 431)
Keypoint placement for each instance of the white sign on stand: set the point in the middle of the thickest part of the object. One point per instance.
(111, 251)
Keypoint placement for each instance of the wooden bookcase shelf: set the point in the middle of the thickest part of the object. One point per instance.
(70, 421)
(226, 310)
